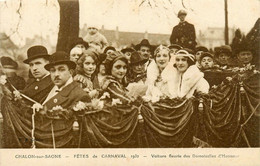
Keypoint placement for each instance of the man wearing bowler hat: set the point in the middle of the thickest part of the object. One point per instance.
(65, 91)
(183, 34)
(40, 85)
(63, 96)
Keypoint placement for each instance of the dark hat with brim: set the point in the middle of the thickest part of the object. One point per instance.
(226, 49)
(176, 46)
(127, 49)
(201, 48)
(58, 58)
(137, 58)
(9, 63)
(144, 42)
(36, 52)
(109, 48)
(206, 54)
(80, 41)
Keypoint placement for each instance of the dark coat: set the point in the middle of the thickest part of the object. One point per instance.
(38, 90)
(68, 96)
(17, 81)
(63, 127)
(184, 35)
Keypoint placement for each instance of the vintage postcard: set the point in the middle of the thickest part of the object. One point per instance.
(129, 82)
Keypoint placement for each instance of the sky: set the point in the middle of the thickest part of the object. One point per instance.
(41, 17)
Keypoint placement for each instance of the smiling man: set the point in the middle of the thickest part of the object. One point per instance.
(40, 84)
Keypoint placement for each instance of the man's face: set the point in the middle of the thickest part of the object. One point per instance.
(207, 62)
(60, 74)
(145, 52)
(173, 51)
(198, 54)
(245, 57)
(81, 46)
(92, 30)
(223, 59)
(138, 68)
(182, 17)
(37, 67)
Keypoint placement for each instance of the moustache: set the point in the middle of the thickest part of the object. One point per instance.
(57, 78)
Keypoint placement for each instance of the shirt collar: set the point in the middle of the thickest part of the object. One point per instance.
(39, 79)
(70, 80)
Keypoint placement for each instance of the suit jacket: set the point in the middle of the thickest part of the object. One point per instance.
(62, 127)
(38, 90)
(184, 34)
(68, 96)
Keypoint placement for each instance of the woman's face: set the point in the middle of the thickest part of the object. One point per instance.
(181, 63)
(119, 69)
(89, 65)
(162, 58)
(128, 55)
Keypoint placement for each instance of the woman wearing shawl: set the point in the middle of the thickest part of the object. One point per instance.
(168, 112)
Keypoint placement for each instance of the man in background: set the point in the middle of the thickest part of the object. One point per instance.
(183, 34)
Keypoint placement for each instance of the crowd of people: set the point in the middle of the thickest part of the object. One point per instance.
(144, 72)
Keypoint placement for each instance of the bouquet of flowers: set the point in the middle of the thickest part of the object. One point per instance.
(58, 112)
(95, 105)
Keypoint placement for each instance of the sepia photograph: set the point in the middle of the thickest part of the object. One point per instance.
(120, 80)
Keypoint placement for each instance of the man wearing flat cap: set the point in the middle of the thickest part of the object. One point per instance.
(183, 34)
(223, 56)
(40, 85)
(9, 67)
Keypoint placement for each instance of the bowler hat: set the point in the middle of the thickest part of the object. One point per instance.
(109, 48)
(36, 52)
(144, 42)
(60, 57)
(136, 58)
(127, 49)
(9, 63)
(201, 48)
(80, 41)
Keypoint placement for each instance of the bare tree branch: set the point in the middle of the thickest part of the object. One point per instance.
(18, 11)
(142, 3)
(182, 2)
